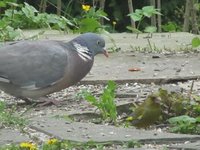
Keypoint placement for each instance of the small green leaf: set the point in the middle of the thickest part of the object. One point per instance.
(148, 11)
(198, 119)
(150, 29)
(134, 30)
(89, 25)
(136, 16)
(13, 4)
(195, 42)
(169, 27)
(183, 118)
(2, 4)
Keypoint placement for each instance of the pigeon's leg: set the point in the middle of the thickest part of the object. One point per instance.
(45, 101)
(27, 100)
(42, 101)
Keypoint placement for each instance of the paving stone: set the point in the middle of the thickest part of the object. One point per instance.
(117, 65)
(188, 146)
(83, 132)
(8, 136)
(127, 41)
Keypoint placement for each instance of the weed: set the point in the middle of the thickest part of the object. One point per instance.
(170, 27)
(114, 48)
(27, 17)
(133, 144)
(182, 112)
(8, 33)
(140, 14)
(195, 42)
(185, 124)
(106, 103)
(55, 144)
(90, 19)
(7, 117)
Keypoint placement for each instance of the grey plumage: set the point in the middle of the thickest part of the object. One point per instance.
(32, 69)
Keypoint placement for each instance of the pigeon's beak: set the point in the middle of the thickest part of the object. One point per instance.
(105, 53)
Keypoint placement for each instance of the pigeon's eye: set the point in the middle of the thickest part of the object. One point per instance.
(98, 42)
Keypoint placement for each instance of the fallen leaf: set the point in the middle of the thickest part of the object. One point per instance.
(134, 69)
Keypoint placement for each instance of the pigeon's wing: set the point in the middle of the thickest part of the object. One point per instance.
(33, 64)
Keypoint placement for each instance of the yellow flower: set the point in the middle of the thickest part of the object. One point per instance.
(28, 145)
(52, 141)
(114, 22)
(86, 7)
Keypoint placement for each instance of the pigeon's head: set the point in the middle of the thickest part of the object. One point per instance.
(91, 43)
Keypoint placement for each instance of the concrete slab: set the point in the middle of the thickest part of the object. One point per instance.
(127, 41)
(164, 69)
(84, 132)
(11, 136)
(188, 146)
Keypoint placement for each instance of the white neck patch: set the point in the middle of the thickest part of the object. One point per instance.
(83, 51)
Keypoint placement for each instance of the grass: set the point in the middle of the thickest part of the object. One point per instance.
(55, 144)
(9, 118)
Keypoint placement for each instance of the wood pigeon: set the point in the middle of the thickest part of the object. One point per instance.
(34, 69)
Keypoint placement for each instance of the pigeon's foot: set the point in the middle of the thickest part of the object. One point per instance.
(42, 101)
(27, 100)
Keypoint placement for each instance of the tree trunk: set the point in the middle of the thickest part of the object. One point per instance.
(159, 16)
(130, 8)
(194, 23)
(59, 5)
(102, 6)
(153, 18)
(43, 5)
(187, 16)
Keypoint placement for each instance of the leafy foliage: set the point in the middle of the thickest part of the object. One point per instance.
(185, 124)
(140, 14)
(181, 111)
(170, 27)
(8, 33)
(7, 117)
(90, 19)
(28, 17)
(173, 103)
(4, 3)
(106, 103)
(150, 29)
(195, 42)
(146, 11)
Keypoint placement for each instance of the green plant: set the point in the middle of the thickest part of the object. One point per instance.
(140, 14)
(90, 19)
(8, 118)
(55, 144)
(195, 42)
(8, 33)
(114, 47)
(106, 103)
(52, 144)
(26, 17)
(170, 27)
(177, 104)
(4, 3)
(133, 144)
(185, 124)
